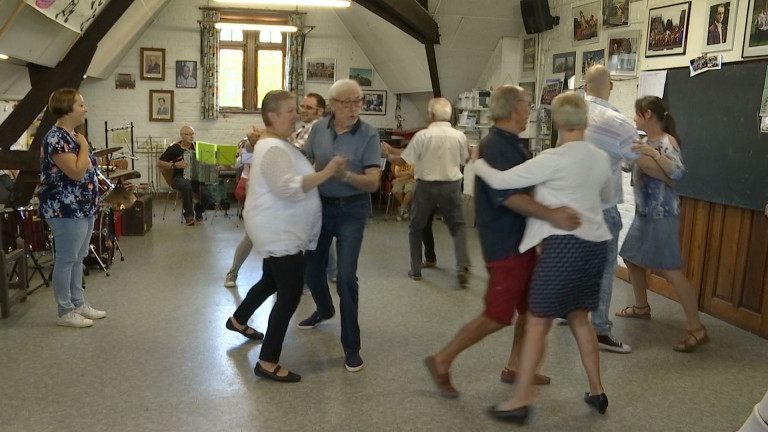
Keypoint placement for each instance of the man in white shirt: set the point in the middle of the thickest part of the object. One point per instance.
(437, 155)
(717, 32)
(312, 107)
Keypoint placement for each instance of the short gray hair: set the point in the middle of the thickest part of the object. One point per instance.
(440, 109)
(569, 111)
(272, 103)
(503, 101)
(341, 85)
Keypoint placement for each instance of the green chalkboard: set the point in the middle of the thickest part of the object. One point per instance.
(725, 156)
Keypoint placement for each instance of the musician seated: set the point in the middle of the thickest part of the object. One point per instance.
(173, 158)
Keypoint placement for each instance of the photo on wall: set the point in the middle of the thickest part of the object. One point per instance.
(152, 64)
(321, 70)
(125, 81)
(564, 63)
(363, 76)
(615, 13)
(720, 24)
(622, 53)
(586, 23)
(186, 74)
(161, 105)
(552, 86)
(756, 36)
(668, 30)
(374, 102)
(529, 57)
(591, 58)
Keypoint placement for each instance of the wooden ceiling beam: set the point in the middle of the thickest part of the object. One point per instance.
(407, 15)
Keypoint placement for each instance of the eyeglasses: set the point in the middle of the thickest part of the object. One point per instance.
(350, 102)
(307, 107)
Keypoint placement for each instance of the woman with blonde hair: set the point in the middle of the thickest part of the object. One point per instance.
(566, 280)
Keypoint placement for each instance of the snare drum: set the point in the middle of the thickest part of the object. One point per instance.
(32, 228)
(104, 184)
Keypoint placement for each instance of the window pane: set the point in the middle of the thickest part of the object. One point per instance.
(225, 34)
(270, 72)
(276, 37)
(264, 36)
(237, 35)
(231, 78)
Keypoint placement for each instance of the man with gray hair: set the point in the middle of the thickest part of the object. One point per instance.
(437, 154)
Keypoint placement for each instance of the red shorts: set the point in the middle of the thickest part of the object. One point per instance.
(240, 190)
(508, 286)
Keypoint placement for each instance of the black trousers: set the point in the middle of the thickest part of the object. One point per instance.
(284, 276)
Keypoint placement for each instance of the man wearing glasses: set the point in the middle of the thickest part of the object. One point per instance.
(311, 109)
(345, 201)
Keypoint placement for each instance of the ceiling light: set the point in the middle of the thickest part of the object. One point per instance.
(3, 57)
(260, 27)
(327, 3)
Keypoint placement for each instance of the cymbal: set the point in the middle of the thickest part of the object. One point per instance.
(121, 198)
(106, 151)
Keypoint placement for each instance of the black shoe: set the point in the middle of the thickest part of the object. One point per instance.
(414, 276)
(260, 371)
(353, 362)
(519, 415)
(255, 335)
(314, 320)
(610, 343)
(598, 402)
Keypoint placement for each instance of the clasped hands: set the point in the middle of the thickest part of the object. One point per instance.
(338, 166)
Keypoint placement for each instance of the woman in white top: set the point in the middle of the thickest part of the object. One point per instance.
(566, 281)
(282, 219)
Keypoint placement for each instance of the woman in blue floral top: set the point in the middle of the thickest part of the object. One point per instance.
(69, 199)
(652, 240)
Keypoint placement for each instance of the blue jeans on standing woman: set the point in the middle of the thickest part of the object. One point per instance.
(345, 221)
(600, 316)
(71, 240)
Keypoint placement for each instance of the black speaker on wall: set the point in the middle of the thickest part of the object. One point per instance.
(536, 16)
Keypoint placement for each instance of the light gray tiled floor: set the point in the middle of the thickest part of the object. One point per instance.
(163, 361)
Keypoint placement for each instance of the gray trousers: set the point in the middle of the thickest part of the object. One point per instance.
(427, 196)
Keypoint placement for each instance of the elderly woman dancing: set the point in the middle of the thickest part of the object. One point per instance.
(566, 281)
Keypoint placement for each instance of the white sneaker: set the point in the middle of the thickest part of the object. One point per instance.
(74, 319)
(87, 311)
(231, 279)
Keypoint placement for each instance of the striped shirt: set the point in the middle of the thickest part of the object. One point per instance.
(612, 132)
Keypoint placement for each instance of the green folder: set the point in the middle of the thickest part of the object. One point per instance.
(205, 152)
(227, 154)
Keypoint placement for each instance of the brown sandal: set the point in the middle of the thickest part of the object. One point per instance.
(690, 341)
(632, 312)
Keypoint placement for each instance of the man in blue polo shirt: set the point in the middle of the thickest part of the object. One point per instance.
(501, 216)
(345, 210)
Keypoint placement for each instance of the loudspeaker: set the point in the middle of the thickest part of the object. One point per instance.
(137, 219)
(536, 16)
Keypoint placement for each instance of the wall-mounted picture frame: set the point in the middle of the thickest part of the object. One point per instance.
(756, 34)
(622, 53)
(591, 58)
(668, 30)
(720, 24)
(152, 64)
(552, 86)
(161, 105)
(125, 81)
(530, 87)
(586, 23)
(321, 70)
(363, 76)
(186, 74)
(564, 63)
(529, 58)
(374, 102)
(615, 14)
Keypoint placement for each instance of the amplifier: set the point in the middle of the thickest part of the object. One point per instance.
(137, 219)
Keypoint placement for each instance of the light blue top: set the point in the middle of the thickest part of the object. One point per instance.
(654, 198)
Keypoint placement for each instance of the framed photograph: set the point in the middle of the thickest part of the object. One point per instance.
(374, 102)
(720, 24)
(622, 53)
(668, 30)
(529, 57)
(530, 87)
(756, 34)
(186, 74)
(152, 64)
(591, 58)
(161, 105)
(321, 70)
(586, 23)
(553, 86)
(125, 81)
(564, 63)
(363, 76)
(615, 13)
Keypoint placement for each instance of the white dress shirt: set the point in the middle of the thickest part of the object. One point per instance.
(437, 152)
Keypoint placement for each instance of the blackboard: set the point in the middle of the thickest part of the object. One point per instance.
(725, 156)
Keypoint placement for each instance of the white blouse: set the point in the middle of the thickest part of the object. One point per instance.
(576, 174)
(280, 218)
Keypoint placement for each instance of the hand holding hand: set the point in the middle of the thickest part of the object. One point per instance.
(337, 166)
(644, 149)
(565, 218)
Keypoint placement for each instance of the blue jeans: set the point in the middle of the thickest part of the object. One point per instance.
(345, 222)
(71, 239)
(600, 316)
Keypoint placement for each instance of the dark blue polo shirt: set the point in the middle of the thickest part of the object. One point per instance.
(360, 144)
(500, 228)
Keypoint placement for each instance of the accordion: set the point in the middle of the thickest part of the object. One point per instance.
(195, 170)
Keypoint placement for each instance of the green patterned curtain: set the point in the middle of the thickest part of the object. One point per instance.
(209, 62)
(294, 60)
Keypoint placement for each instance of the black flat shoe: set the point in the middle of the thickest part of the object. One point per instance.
(291, 377)
(519, 415)
(598, 402)
(256, 335)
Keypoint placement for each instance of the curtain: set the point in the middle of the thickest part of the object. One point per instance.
(294, 60)
(209, 62)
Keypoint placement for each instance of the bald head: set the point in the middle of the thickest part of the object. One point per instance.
(598, 82)
(187, 134)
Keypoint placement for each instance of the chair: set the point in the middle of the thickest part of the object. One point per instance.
(168, 177)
